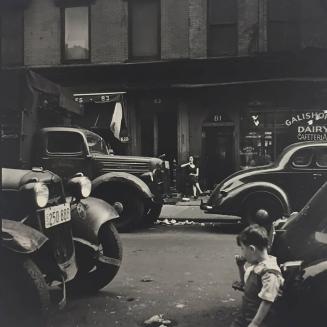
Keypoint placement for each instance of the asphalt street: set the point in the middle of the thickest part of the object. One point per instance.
(182, 272)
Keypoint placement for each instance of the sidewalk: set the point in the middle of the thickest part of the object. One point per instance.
(190, 210)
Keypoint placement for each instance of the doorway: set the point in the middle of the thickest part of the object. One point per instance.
(167, 135)
(218, 159)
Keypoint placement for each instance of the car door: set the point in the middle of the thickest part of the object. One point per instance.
(298, 177)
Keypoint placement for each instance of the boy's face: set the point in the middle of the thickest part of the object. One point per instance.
(249, 252)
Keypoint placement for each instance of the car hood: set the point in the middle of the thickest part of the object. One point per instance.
(120, 161)
(14, 178)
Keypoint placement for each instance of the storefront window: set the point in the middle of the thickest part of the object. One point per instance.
(257, 139)
(264, 134)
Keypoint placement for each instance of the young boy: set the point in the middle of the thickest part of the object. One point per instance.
(261, 278)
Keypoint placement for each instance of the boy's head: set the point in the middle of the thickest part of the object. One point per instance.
(253, 241)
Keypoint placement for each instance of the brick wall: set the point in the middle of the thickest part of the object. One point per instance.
(183, 29)
(42, 33)
(313, 24)
(198, 28)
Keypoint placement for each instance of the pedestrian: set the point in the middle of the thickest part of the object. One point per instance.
(193, 176)
(261, 279)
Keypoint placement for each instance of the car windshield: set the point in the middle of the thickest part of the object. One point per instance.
(96, 143)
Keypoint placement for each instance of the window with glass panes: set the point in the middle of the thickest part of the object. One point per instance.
(76, 43)
(222, 27)
(283, 25)
(144, 29)
(12, 37)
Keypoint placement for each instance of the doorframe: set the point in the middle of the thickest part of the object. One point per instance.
(234, 135)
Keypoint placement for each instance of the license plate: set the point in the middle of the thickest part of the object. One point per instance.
(56, 215)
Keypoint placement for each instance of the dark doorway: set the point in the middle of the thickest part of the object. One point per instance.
(147, 139)
(218, 153)
(167, 135)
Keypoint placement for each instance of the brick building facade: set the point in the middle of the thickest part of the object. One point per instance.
(214, 78)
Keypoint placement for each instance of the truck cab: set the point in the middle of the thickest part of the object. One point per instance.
(139, 184)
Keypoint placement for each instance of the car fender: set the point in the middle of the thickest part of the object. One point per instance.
(21, 238)
(88, 215)
(242, 193)
(313, 281)
(124, 178)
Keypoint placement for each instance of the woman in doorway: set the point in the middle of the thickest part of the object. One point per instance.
(193, 176)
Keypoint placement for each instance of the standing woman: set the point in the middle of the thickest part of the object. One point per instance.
(193, 175)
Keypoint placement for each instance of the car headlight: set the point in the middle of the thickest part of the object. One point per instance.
(41, 193)
(80, 187)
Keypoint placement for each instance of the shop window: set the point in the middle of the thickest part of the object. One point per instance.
(302, 158)
(12, 42)
(144, 29)
(76, 43)
(222, 27)
(321, 158)
(257, 146)
(283, 25)
(63, 142)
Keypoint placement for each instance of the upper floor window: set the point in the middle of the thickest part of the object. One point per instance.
(283, 25)
(76, 41)
(144, 29)
(12, 37)
(222, 27)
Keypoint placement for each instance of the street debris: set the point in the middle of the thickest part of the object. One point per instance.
(180, 305)
(146, 280)
(228, 300)
(157, 321)
(174, 222)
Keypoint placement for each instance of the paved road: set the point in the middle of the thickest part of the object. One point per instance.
(182, 272)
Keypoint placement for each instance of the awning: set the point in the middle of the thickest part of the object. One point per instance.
(65, 97)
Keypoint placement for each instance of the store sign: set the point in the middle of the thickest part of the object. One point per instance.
(97, 97)
(310, 126)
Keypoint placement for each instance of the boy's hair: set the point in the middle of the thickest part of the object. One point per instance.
(253, 235)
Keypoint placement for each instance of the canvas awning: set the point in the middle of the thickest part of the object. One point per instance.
(65, 97)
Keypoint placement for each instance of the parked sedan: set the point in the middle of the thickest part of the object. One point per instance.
(279, 188)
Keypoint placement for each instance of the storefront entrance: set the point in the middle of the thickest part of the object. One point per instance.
(218, 147)
(158, 126)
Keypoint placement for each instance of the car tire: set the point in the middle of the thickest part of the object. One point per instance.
(255, 208)
(94, 275)
(24, 294)
(133, 207)
(131, 216)
(152, 215)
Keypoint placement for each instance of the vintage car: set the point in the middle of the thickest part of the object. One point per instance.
(50, 239)
(139, 184)
(279, 188)
(300, 245)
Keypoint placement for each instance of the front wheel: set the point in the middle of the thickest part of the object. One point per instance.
(24, 294)
(262, 210)
(93, 274)
(152, 215)
(132, 205)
